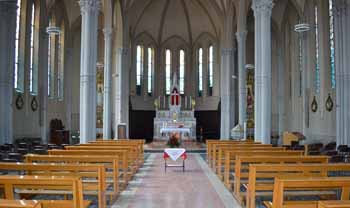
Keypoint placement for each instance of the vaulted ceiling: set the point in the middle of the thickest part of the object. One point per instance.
(163, 19)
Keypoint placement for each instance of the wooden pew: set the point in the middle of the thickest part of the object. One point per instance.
(136, 148)
(223, 149)
(211, 143)
(230, 157)
(334, 204)
(133, 155)
(242, 166)
(261, 176)
(6, 203)
(124, 161)
(283, 184)
(98, 188)
(110, 162)
(73, 184)
(216, 148)
(139, 142)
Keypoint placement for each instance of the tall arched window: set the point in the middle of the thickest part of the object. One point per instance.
(331, 38)
(32, 76)
(182, 72)
(317, 74)
(18, 75)
(167, 71)
(200, 72)
(150, 71)
(210, 70)
(139, 68)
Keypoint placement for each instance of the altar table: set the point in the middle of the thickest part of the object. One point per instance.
(174, 154)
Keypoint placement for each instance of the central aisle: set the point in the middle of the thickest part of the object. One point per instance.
(196, 187)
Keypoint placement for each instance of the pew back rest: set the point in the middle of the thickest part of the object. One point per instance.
(83, 171)
(282, 184)
(242, 164)
(73, 184)
(270, 171)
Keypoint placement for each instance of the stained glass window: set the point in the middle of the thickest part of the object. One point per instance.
(182, 72)
(167, 71)
(18, 75)
(210, 70)
(200, 72)
(139, 68)
(32, 75)
(331, 38)
(317, 74)
(150, 71)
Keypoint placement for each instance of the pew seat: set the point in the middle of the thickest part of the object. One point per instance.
(282, 185)
(334, 204)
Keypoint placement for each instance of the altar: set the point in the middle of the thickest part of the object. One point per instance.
(174, 114)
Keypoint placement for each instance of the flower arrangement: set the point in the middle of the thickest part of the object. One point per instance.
(174, 140)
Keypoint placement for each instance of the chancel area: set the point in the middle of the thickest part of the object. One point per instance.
(174, 103)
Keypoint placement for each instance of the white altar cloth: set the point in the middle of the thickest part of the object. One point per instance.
(174, 153)
(179, 130)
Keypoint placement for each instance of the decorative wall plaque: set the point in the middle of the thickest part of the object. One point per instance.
(19, 102)
(34, 104)
(329, 103)
(314, 105)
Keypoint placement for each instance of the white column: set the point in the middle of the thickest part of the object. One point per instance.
(68, 86)
(262, 12)
(242, 79)
(107, 110)
(89, 13)
(7, 60)
(225, 82)
(281, 83)
(121, 96)
(342, 46)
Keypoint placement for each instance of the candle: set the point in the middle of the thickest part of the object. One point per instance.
(185, 106)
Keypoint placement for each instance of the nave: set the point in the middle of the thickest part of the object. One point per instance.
(198, 186)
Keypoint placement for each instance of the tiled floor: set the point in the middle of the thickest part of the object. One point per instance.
(196, 187)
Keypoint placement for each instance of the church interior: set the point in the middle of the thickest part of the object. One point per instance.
(174, 103)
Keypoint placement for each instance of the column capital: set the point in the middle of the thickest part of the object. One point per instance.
(263, 7)
(87, 6)
(241, 34)
(107, 32)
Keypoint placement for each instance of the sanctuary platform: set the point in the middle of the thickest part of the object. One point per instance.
(160, 145)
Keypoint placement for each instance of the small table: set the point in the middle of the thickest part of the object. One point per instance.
(174, 154)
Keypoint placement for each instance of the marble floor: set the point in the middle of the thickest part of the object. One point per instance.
(196, 187)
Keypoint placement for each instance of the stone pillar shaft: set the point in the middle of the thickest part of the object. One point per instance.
(107, 110)
(242, 78)
(226, 58)
(7, 57)
(342, 49)
(88, 102)
(262, 12)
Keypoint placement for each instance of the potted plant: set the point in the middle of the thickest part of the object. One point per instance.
(174, 140)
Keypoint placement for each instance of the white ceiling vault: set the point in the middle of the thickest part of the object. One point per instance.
(188, 19)
(163, 19)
